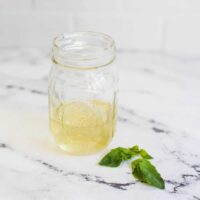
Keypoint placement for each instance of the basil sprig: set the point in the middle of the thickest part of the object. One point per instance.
(142, 169)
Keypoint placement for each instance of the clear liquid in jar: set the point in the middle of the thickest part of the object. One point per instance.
(83, 127)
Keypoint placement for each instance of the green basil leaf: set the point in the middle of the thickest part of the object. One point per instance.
(112, 159)
(135, 149)
(116, 156)
(145, 155)
(144, 171)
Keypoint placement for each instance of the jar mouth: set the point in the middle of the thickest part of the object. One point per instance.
(83, 50)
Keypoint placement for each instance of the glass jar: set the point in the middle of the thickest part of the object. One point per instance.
(82, 92)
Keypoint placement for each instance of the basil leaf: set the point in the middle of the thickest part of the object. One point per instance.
(145, 155)
(112, 159)
(144, 171)
(135, 149)
(116, 156)
(126, 154)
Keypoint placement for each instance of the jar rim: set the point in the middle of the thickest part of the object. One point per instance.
(83, 50)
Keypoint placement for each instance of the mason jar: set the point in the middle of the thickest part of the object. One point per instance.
(83, 92)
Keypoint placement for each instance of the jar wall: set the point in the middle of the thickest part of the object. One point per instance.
(82, 107)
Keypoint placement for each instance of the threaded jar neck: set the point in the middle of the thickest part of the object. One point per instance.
(83, 50)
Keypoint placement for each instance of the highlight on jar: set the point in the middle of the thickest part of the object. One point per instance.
(83, 86)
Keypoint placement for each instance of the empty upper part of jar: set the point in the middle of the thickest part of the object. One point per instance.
(83, 50)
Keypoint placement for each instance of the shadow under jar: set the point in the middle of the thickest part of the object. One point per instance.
(82, 92)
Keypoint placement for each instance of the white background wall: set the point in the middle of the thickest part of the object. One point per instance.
(171, 26)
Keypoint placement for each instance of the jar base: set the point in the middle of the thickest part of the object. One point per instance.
(81, 151)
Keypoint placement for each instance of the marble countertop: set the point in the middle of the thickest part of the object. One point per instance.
(159, 109)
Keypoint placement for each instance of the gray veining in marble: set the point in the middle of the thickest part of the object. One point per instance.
(159, 109)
